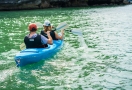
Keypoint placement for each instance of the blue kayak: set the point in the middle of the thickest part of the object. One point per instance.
(33, 55)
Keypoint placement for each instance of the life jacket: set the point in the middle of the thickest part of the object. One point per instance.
(52, 34)
(33, 42)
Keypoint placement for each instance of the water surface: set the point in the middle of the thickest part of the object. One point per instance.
(100, 59)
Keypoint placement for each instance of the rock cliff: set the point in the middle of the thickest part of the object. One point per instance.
(36, 4)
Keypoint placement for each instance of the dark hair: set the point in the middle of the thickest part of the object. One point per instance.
(33, 29)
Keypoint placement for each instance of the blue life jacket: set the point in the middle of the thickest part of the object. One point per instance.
(33, 42)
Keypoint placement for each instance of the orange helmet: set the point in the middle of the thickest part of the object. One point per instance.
(32, 27)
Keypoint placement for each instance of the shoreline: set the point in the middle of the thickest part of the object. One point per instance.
(57, 4)
(91, 6)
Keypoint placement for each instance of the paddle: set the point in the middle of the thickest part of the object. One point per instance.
(22, 46)
(61, 26)
(76, 32)
(39, 25)
(64, 25)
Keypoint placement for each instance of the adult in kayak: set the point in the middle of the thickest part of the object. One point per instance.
(47, 27)
(34, 40)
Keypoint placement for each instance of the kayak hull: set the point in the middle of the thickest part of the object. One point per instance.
(33, 55)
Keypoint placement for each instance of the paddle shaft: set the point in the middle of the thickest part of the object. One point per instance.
(61, 26)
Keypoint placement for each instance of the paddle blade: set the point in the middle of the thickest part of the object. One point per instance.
(62, 26)
(22, 46)
(76, 32)
(39, 25)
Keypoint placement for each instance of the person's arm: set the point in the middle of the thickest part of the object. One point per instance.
(60, 36)
(50, 41)
(44, 40)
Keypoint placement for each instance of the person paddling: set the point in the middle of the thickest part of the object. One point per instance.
(47, 27)
(34, 40)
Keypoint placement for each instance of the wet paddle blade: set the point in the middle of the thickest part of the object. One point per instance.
(76, 32)
(62, 26)
(22, 46)
(39, 25)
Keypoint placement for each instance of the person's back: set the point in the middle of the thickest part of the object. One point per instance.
(34, 40)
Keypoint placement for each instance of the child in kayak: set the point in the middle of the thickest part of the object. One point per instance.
(34, 40)
(47, 27)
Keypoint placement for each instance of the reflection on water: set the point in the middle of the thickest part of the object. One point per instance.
(100, 59)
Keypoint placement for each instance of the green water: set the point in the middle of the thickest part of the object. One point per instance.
(100, 59)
